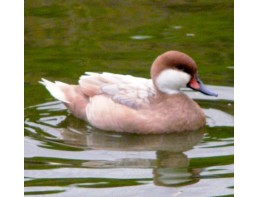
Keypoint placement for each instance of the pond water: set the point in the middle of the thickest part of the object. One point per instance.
(65, 156)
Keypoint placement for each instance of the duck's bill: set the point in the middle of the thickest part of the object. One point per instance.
(196, 84)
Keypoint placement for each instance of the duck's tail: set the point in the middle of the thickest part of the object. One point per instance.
(70, 95)
(57, 89)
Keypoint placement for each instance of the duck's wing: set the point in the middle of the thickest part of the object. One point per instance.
(134, 92)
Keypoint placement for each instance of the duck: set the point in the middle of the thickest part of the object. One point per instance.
(125, 103)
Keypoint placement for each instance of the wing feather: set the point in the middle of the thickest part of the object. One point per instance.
(134, 92)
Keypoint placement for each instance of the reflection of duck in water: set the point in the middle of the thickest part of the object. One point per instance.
(170, 165)
(130, 104)
(173, 170)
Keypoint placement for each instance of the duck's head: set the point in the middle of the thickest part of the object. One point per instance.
(174, 70)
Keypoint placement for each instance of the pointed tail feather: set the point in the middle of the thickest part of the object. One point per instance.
(55, 89)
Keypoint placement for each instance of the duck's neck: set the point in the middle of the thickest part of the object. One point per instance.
(160, 96)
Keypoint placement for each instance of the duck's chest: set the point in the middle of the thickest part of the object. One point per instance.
(177, 115)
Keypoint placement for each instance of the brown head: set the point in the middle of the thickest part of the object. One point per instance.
(174, 70)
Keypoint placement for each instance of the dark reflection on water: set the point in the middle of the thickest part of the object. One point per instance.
(173, 170)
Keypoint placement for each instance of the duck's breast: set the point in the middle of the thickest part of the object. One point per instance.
(179, 113)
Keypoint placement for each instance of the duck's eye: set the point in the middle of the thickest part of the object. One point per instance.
(181, 67)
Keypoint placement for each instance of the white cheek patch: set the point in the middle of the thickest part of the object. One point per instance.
(170, 81)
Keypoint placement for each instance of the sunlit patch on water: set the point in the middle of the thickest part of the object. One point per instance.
(141, 37)
(190, 34)
(65, 156)
(177, 27)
